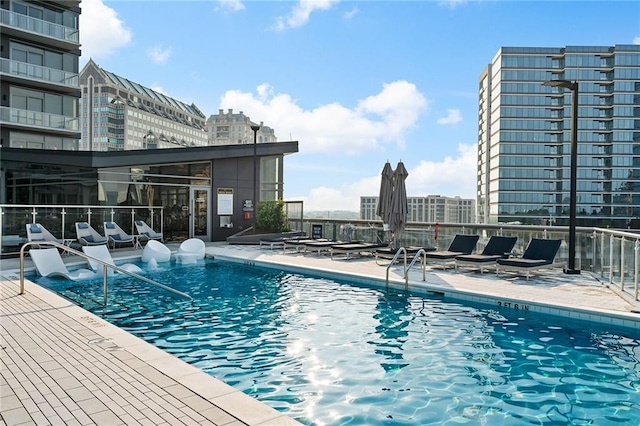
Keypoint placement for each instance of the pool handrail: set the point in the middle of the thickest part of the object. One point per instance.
(422, 252)
(105, 266)
(401, 250)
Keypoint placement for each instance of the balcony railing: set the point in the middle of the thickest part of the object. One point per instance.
(38, 119)
(611, 256)
(40, 26)
(36, 72)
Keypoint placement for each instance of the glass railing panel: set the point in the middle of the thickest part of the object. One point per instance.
(40, 26)
(38, 119)
(36, 72)
(616, 246)
(627, 264)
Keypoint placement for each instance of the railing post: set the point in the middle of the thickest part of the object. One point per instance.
(611, 239)
(602, 254)
(635, 270)
(34, 213)
(63, 214)
(113, 213)
(89, 215)
(133, 221)
(594, 252)
(622, 264)
(104, 283)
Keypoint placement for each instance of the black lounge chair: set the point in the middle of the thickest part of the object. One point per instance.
(280, 241)
(461, 244)
(355, 249)
(299, 243)
(498, 247)
(389, 253)
(321, 245)
(539, 254)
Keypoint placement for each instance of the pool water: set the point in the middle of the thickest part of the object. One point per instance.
(327, 352)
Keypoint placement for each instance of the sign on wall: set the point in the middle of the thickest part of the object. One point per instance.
(225, 201)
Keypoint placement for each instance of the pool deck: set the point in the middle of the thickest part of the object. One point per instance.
(60, 364)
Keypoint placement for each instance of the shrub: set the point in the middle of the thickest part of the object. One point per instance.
(271, 217)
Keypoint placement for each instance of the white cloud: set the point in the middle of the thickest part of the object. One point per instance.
(301, 12)
(450, 177)
(453, 116)
(452, 3)
(334, 128)
(158, 54)
(350, 14)
(230, 6)
(157, 88)
(636, 40)
(101, 30)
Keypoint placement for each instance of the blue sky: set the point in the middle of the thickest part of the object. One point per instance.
(357, 83)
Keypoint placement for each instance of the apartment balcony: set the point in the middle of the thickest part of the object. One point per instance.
(41, 31)
(37, 76)
(25, 119)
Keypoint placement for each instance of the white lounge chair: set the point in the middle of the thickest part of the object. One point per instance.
(87, 236)
(116, 235)
(190, 251)
(157, 251)
(37, 232)
(102, 252)
(146, 233)
(48, 263)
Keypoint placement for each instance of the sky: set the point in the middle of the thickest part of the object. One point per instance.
(356, 83)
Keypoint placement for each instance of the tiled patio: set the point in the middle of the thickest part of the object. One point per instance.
(64, 365)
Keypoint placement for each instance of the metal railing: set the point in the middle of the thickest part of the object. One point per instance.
(405, 274)
(37, 72)
(105, 267)
(612, 256)
(60, 220)
(40, 26)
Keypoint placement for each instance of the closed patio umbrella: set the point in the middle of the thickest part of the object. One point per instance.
(386, 188)
(399, 207)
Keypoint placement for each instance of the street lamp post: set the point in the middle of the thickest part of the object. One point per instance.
(255, 129)
(573, 86)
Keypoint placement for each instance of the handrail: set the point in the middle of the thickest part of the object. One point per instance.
(395, 257)
(104, 264)
(422, 252)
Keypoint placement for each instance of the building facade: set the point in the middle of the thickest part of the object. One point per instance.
(235, 128)
(39, 93)
(524, 136)
(432, 208)
(117, 114)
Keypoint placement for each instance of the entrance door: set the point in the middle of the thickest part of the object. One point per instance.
(200, 213)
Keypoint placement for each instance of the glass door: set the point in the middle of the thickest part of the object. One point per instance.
(200, 213)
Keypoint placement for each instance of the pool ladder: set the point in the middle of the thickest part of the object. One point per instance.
(104, 264)
(421, 253)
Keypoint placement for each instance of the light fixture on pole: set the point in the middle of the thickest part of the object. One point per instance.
(573, 86)
(255, 129)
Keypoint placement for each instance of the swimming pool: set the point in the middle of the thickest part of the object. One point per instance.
(330, 352)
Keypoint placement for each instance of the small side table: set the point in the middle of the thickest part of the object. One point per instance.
(136, 242)
(67, 242)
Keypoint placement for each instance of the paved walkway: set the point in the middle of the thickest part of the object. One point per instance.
(63, 365)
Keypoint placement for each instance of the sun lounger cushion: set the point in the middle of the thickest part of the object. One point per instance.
(83, 225)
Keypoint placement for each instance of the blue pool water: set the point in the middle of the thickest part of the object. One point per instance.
(332, 353)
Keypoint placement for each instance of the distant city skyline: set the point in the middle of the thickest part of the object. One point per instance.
(356, 84)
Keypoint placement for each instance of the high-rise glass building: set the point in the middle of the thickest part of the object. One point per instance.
(524, 136)
(39, 93)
